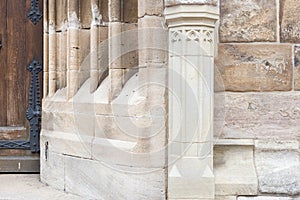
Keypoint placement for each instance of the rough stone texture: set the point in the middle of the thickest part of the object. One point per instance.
(289, 21)
(52, 169)
(151, 7)
(96, 180)
(255, 67)
(61, 14)
(153, 41)
(257, 115)
(234, 170)
(199, 2)
(278, 167)
(130, 11)
(28, 187)
(267, 198)
(297, 67)
(225, 198)
(248, 21)
(85, 13)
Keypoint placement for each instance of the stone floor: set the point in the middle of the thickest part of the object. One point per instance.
(28, 186)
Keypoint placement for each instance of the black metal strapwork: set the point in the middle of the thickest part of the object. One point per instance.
(34, 14)
(33, 114)
(34, 111)
(12, 144)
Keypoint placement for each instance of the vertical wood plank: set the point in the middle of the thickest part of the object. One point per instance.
(3, 66)
(16, 62)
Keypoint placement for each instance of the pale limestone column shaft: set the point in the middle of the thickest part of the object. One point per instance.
(115, 41)
(73, 48)
(46, 50)
(95, 42)
(191, 78)
(52, 48)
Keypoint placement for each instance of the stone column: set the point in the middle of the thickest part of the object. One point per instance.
(52, 48)
(46, 50)
(191, 75)
(95, 38)
(73, 48)
(115, 28)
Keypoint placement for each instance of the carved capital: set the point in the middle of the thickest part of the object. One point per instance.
(192, 15)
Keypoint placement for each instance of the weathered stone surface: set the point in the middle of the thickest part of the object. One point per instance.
(152, 41)
(257, 115)
(199, 2)
(191, 178)
(151, 7)
(234, 170)
(130, 11)
(28, 186)
(255, 67)
(278, 167)
(52, 169)
(61, 15)
(225, 198)
(278, 172)
(85, 13)
(97, 180)
(297, 67)
(248, 21)
(266, 198)
(289, 21)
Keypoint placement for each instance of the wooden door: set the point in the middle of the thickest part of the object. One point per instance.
(21, 37)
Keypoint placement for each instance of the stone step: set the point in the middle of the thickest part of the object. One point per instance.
(20, 164)
(12, 133)
(28, 187)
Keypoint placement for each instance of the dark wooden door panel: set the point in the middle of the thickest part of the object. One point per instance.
(3, 68)
(22, 42)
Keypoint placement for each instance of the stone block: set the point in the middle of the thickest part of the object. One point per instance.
(153, 41)
(151, 7)
(191, 178)
(85, 14)
(257, 115)
(266, 198)
(130, 11)
(255, 67)
(52, 169)
(96, 180)
(297, 67)
(192, 2)
(234, 170)
(248, 21)
(277, 164)
(73, 144)
(225, 198)
(130, 141)
(289, 21)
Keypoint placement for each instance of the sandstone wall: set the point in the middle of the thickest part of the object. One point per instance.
(258, 100)
(104, 124)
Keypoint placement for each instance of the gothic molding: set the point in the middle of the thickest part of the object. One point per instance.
(191, 15)
(196, 34)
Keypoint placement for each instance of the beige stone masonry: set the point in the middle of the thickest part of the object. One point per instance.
(248, 21)
(255, 67)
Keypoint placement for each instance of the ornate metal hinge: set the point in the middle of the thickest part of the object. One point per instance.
(34, 14)
(34, 112)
